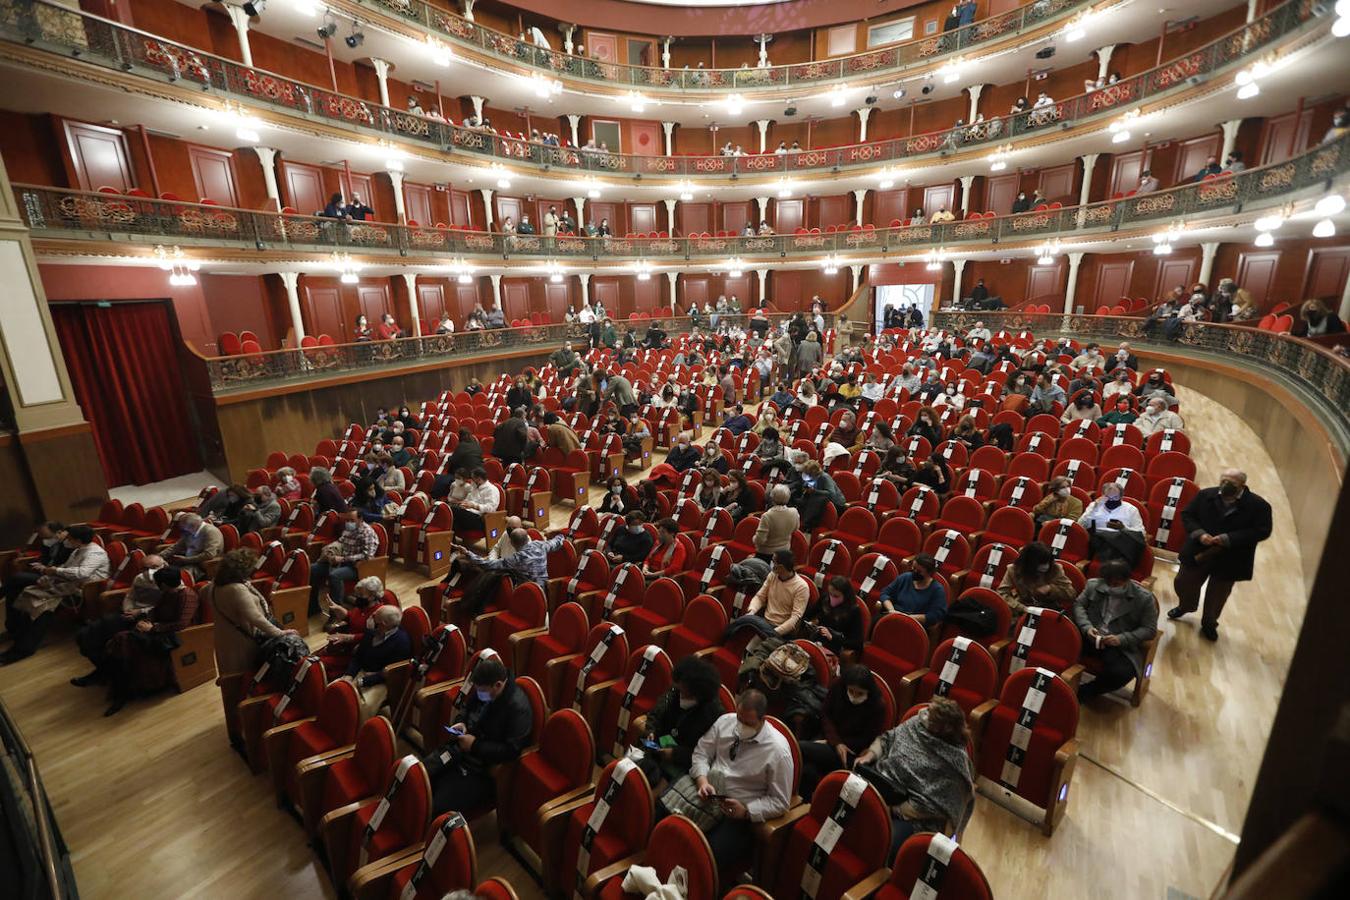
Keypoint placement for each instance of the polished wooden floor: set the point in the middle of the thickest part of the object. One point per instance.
(154, 805)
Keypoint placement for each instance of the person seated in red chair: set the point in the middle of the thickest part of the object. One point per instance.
(493, 728)
(347, 623)
(337, 563)
(94, 636)
(1117, 616)
(388, 329)
(136, 659)
(682, 457)
(669, 556)
(199, 541)
(53, 551)
(28, 617)
(632, 544)
(384, 643)
(472, 497)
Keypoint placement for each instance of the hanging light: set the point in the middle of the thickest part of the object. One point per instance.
(784, 189)
(1269, 223)
(1324, 229)
(1120, 128)
(1264, 239)
(347, 267)
(686, 191)
(735, 268)
(555, 273)
(998, 160)
(887, 181)
(1332, 204)
(831, 265)
(838, 95)
(735, 103)
(1046, 253)
(636, 102)
(934, 259)
(179, 267)
(643, 270)
(503, 180)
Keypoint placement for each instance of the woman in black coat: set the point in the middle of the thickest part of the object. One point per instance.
(852, 717)
(680, 717)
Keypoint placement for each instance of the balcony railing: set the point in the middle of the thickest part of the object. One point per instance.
(1323, 374)
(58, 213)
(106, 43)
(871, 65)
(272, 368)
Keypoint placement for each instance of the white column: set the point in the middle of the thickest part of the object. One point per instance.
(859, 195)
(1345, 301)
(239, 19)
(581, 214)
(414, 314)
(267, 156)
(959, 266)
(974, 90)
(763, 285)
(1104, 61)
(671, 277)
(467, 6)
(1089, 161)
(1251, 9)
(966, 182)
(396, 179)
(585, 287)
(855, 273)
(669, 129)
(487, 205)
(863, 114)
(763, 203)
(764, 50)
(763, 134)
(574, 121)
(477, 107)
(291, 281)
(1075, 259)
(1208, 251)
(1230, 133)
(670, 215)
(496, 290)
(568, 30)
(665, 53)
(382, 74)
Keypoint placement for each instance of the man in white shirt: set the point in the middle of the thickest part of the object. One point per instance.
(979, 333)
(470, 499)
(1157, 417)
(29, 616)
(746, 763)
(587, 314)
(1111, 511)
(872, 390)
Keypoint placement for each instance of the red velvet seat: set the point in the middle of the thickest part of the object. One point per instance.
(374, 829)
(699, 629)
(655, 609)
(557, 767)
(898, 647)
(605, 709)
(674, 842)
(975, 682)
(859, 850)
(525, 610)
(455, 867)
(624, 830)
(872, 572)
(343, 778)
(959, 879)
(538, 655)
(1055, 643)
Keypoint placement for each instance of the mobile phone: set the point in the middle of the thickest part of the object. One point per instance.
(649, 744)
(456, 729)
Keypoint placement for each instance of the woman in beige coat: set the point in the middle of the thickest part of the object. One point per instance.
(1035, 579)
(241, 614)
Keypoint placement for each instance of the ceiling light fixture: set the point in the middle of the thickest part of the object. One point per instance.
(303, 7)
(735, 103)
(347, 267)
(838, 95)
(784, 189)
(1332, 204)
(1265, 239)
(179, 267)
(935, 259)
(357, 37)
(636, 102)
(253, 8)
(1324, 229)
(735, 268)
(328, 28)
(1046, 253)
(555, 273)
(686, 191)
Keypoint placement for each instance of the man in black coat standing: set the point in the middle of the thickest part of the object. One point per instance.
(492, 727)
(509, 439)
(1223, 526)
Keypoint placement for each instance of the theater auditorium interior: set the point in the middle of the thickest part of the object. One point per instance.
(674, 449)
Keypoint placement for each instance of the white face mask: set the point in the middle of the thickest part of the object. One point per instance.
(616, 489)
(857, 699)
(746, 732)
(688, 702)
(1062, 492)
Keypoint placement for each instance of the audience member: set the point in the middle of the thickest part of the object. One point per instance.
(1117, 617)
(678, 720)
(338, 560)
(917, 593)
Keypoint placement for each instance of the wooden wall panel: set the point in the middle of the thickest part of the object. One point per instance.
(939, 197)
(646, 139)
(693, 218)
(1045, 284)
(302, 187)
(464, 299)
(417, 203)
(693, 289)
(1283, 137)
(735, 215)
(888, 206)
(1173, 272)
(461, 210)
(213, 175)
(431, 303)
(1256, 272)
(373, 300)
(515, 298)
(605, 291)
(1191, 156)
(642, 218)
(1057, 183)
(788, 215)
(1327, 271)
(1113, 282)
(833, 210)
(1125, 171)
(555, 301)
(614, 212)
(324, 305)
(509, 207)
(999, 193)
(648, 295)
(98, 157)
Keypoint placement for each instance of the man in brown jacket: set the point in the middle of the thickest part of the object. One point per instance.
(776, 525)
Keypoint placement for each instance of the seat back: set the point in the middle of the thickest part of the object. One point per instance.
(970, 680)
(844, 802)
(947, 870)
(374, 751)
(678, 842)
(1039, 701)
(1044, 638)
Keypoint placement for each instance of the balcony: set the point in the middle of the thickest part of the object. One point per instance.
(106, 44)
(57, 215)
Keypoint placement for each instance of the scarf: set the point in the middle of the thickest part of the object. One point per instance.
(936, 774)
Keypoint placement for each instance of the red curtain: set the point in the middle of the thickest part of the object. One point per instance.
(123, 363)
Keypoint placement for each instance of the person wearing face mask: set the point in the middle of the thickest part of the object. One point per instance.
(770, 445)
(708, 494)
(917, 593)
(1035, 579)
(679, 718)
(384, 643)
(818, 490)
(199, 541)
(492, 728)
(1157, 417)
(1084, 406)
(1115, 527)
(1046, 397)
(935, 473)
(927, 426)
(1117, 617)
(713, 458)
(852, 717)
(835, 622)
(92, 638)
(242, 616)
(1223, 526)
(327, 497)
(632, 543)
(337, 563)
(669, 555)
(1058, 502)
(740, 773)
(777, 525)
(616, 499)
(346, 623)
(52, 551)
(479, 497)
(1122, 413)
(1120, 384)
(682, 457)
(1316, 318)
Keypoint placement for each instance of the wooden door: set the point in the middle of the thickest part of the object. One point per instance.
(939, 196)
(1057, 183)
(98, 157)
(785, 287)
(735, 215)
(833, 211)
(1125, 171)
(788, 215)
(999, 193)
(1256, 272)
(1192, 155)
(647, 139)
(325, 313)
(302, 186)
(430, 305)
(647, 294)
(1173, 272)
(598, 212)
(510, 207)
(461, 210)
(466, 296)
(417, 203)
(373, 300)
(360, 186)
(213, 175)
(515, 299)
(555, 300)
(642, 218)
(693, 218)
(695, 289)
(888, 206)
(1326, 274)
(602, 46)
(1285, 136)
(606, 293)
(1045, 284)
(1113, 282)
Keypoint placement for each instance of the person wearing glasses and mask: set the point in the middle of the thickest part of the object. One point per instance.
(681, 716)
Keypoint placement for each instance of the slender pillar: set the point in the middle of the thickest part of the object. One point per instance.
(764, 49)
(1089, 161)
(763, 285)
(763, 203)
(477, 107)
(568, 30)
(670, 214)
(672, 277)
(581, 214)
(574, 121)
(859, 196)
(855, 276)
(291, 282)
(268, 156)
(239, 19)
(414, 314)
(665, 53)
(863, 114)
(1253, 6)
(1075, 260)
(382, 74)
(1208, 251)
(467, 6)
(1345, 301)
(669, 129)
(487, 206)
(1230, 134)
(958, 267)
(396, 179)
(974, 90)
(1104, 61)
(585, 278)
(763, 125)
(966, 182)
(496, 290)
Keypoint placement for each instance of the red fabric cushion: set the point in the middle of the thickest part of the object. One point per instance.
(536, 783)
(1034, 783)
(843, 869)
(345, 784)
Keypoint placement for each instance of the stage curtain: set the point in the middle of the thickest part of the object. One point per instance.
(123, 364)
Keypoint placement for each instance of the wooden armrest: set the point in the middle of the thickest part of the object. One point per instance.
(997, 646)
(593, 701)
(370, 882)
(614, 870)
(1073, 675)
(335, 827)
(977, 723)
(868, 886)
(274, 751)
(552, 817)
(309, 775)
(520, 644)
(1066, 759)
(659, 633)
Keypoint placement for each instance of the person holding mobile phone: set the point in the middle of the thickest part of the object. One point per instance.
(679, 718)
(1117, 617)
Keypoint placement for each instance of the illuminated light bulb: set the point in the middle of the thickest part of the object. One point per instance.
(1341, 27)
(1264, 239)
(1162, 249)
(997, 165)
(1268, 223)
(1343, 8)
(735, 103)
(593, 193)
(886, 184)
(1260, 69)
(644, 275)
(248, 134)
(556, 278)
(504, 183)
(1248, 91)
(1332, 204)
(1243, 78)
(1324, 229)
(1120, 137)
(464, 278)
(349, 278)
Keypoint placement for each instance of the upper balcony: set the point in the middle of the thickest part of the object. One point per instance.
(144, 63)
(67, 222)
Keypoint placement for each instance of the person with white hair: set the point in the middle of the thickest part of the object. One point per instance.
(777, 524)
(1157, 417)
(347, 622)
(384, 643)
(198, 542)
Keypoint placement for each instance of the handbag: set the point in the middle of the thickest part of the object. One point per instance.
(682, 799)
(786, 664)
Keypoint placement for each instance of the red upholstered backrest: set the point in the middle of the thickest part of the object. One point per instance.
(339, 712)
(567, 746)
(309, 696)
(1056, 723)
(902, 636)
(701, 626)
(962, 879)
(450, 661)
(901, 533)
(859, 851)
(594, 571)
(456, 866)
(569, 626)
(625, 830)
(375, 751)
(975, 682)
(1057, 644)
(410, 810)
(529, 604)
(676, 841)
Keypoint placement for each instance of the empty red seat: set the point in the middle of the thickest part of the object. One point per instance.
(948, 871)
(971, 679)
(858, 824)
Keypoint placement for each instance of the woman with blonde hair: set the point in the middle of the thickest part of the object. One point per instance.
(1316, 318)
(1244, 307)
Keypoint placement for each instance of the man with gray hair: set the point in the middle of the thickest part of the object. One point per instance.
(777, 524)
(384, 643)
(1223, 526)
(198, 542)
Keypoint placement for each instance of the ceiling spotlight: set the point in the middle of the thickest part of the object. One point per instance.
(1120, 137)
(784, 190)
(1264, 239)
(1332, 204)
(248, 135)
(1248, 91)
(357, 37)
(636, 102)
(838, 97)
(253, 8)
(1341, 27)
(464, 278)
(1324, 229)
(328, 28)
(1268, 223)
(735, 103)
(898, 93)
(998, 165)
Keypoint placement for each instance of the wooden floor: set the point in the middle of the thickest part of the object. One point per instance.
(153, 804)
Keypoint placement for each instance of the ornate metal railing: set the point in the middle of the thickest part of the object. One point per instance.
(61, 213)
(106, 43)
(270, 368)
(1321, 373)
(872, 64)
